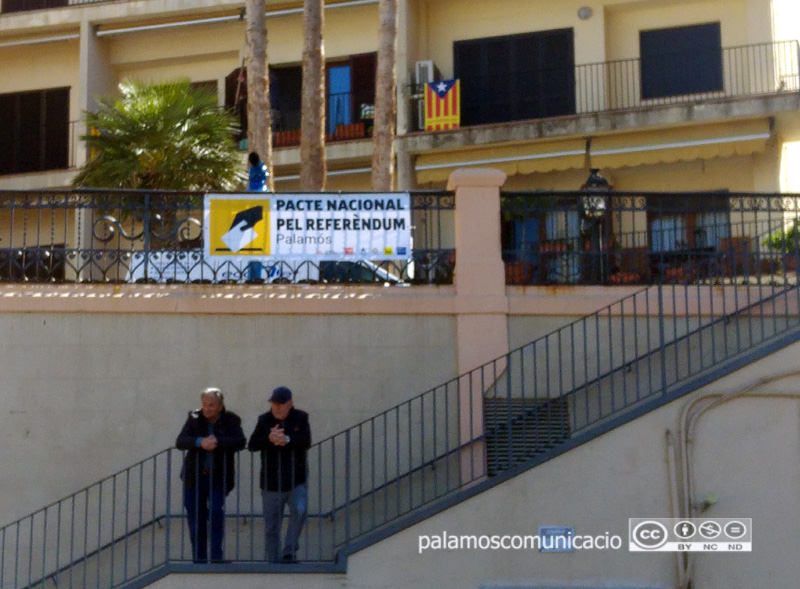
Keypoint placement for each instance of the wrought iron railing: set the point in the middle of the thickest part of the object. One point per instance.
(156, 237)
(634, 238)
(747, 70)
(463, 436)
(347, 118)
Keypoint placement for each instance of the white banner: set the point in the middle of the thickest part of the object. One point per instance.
(307, 226)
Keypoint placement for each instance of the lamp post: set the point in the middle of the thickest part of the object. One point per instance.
(594, 204)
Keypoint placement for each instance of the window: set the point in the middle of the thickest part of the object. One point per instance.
(681, 60)
(21, 5)
(672, 228)
(34, 135)
(209, 86)
(516, 77)
(350, 86)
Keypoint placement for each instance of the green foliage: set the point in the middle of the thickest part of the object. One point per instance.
(163, 136)
(785, 240)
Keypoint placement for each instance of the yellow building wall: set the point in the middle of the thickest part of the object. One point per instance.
(612, 32)
(624, 21)
(47, 65)
(211, 52)
(457, 20)
(343, 183)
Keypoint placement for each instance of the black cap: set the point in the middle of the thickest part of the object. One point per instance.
(281, 395)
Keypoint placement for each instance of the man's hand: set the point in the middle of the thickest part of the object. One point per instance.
(208, 443)
(276, 436)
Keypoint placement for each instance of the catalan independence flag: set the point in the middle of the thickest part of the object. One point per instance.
(442, 105)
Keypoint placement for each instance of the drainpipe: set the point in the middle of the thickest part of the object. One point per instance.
(690, 416)
(672, 473)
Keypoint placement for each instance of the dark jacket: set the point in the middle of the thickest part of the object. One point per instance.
(282, 467)
(230, 439)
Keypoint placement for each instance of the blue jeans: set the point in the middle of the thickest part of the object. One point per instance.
(274, 502)
(200, 502)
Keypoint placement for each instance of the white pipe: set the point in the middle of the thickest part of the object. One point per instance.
(500, 160)
(333, 173)
(693, 143)
(689, 420)
(672, 476)
(55, 39)
(219, 19)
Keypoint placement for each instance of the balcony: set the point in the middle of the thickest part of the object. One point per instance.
(764, 69)
(346, 121)
(619, 238)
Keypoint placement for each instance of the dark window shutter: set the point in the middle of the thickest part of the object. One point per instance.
(35, 132)
(516, 77)
(362, 81)
(31, 123)
(9, 133)
(681, 60)
(56, 129)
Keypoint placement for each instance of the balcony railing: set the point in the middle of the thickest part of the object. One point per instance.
(632, 238)
(156, 237)
(748, 70)
(346, 120)
(418, 457)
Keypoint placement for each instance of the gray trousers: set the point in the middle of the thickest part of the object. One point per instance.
(274, 502)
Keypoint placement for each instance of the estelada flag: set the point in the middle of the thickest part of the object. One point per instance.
(442, 106)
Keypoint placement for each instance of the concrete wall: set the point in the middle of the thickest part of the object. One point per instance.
(85, 394)
(743, 450)
(50, 65)
(97, 377)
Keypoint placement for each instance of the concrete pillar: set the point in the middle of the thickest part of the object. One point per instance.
(482, 306)
(96, 78)
(405, 167)
(403, 68)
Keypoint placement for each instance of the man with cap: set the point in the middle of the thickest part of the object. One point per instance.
(283, 436)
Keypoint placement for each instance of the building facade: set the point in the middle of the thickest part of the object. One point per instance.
(674, 94)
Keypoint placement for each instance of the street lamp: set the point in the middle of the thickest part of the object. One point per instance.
(594, 204)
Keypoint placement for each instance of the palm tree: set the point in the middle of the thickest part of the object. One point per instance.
(259, 114)
(165, 136)
(385, 99)
(312, 121)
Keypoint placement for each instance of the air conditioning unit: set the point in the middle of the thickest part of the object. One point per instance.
(424, 71)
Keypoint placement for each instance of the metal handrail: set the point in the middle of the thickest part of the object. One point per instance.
(344, 507)
(118, 236)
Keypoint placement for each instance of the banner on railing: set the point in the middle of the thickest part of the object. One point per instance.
(312, 226)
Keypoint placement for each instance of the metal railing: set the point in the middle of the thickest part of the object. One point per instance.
(421, 455)
(156, 237)
(747, 70)
(650, 238)
(346, 119)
